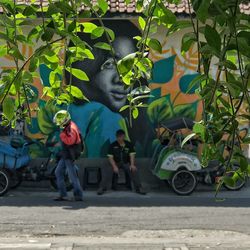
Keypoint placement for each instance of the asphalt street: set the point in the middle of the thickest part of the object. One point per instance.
(29, 214)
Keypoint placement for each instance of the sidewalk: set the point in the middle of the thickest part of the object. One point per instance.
(144, 239)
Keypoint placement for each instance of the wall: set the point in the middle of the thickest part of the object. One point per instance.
(100, 118)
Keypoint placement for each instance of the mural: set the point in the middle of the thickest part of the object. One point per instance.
(100, 118)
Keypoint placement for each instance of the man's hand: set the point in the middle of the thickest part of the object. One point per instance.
(133, 168)
(116, 169)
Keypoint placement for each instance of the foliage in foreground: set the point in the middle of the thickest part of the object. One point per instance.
(218, 29)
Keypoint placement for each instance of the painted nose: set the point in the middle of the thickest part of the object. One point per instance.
(116, 78)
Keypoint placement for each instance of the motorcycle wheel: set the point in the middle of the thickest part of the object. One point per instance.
(183, 182)
(16, 179)
(4, 181)
(53, 183)
(240, 179)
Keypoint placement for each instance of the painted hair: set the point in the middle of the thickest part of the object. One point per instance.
(121, 28)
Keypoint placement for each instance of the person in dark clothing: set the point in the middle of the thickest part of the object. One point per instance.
(72, 147)
(121, 155)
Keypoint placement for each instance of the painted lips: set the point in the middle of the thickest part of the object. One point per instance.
(118, 95)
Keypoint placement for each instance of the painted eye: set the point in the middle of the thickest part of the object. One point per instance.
(109, 64)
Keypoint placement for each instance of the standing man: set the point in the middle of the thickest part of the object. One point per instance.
(121, 155)
(72, 148)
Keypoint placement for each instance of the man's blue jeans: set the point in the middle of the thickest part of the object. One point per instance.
(64, 164)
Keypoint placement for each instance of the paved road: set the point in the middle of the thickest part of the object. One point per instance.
(26, 214)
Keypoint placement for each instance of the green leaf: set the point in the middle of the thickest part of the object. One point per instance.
(155, 45)
(52, 10)
(88, 27)
(78, 73)
(14, 51)
(3, 50)
(224, 102)
(246, 140)
(135, 113)
(187, 41)
(103, 5)
(127, 78)
(54, 80)
(124, 108)
(164, 14)
(142, 23)
(200, 130)
(45, 118)
(202, 12)
(29, 10)
(65, 7)
(187, 138)
(227, 64)
(102, 45)
(110, 33)
(179, 25)
(196, 82)
(97, 32)
(53, 59)
(80, 53)
(85, 14)
(75, 92)
(244, 47)
(213, 38)
(243, 164)
(245, 35)
(217, 137)
(48, 91)
(64, 99)
(47, 35)
(72, 26)
(8, 108)
(7, 21)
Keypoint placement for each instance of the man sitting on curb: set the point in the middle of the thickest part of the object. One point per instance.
(121, 155)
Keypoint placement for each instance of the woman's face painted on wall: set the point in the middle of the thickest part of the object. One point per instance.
(108, 88)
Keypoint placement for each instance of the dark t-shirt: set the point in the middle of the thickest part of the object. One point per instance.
(121, 154)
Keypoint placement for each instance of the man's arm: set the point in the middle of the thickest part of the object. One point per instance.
(113, 164)
(111, 159)
(132, 158)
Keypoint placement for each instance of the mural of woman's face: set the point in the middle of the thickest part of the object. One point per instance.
(109, 90)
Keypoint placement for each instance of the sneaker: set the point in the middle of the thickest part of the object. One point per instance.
(77, 198)
(100, 191)
(140, 191)
(114, 188)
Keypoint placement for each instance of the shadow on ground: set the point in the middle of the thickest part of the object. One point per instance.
(44, 198)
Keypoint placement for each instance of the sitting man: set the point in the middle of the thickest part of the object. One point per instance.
(121, 155)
